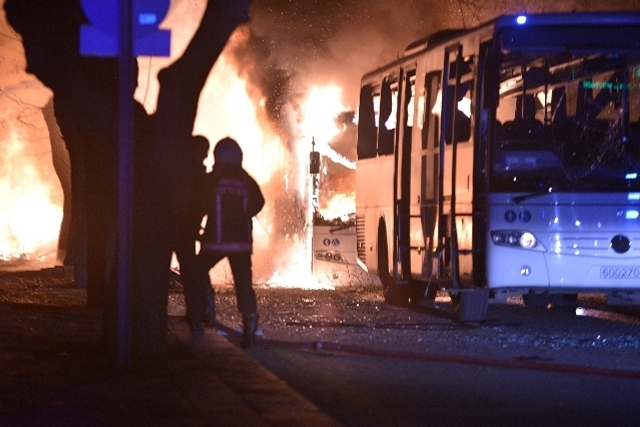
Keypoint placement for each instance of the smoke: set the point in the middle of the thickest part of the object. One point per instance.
(338, 41)
(289, 47)
(335, 42)
(286, 49)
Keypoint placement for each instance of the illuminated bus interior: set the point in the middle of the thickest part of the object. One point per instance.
(567, 123)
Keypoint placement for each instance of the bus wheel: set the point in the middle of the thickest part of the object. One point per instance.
(470, 305)
(394, 294)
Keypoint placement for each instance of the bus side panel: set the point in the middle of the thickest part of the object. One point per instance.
(374, 187)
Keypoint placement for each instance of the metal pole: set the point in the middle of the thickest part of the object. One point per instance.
(125, 180)
(314, 195)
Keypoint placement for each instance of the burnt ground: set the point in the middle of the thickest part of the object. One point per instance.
(50, 355)
(357, 316)
(53, 373)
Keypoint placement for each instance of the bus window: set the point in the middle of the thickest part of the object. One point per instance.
(411, 102)
(568, 122)
(367, 124)
(461, 106)
(388, 113)
(430, 129)
(377, 116)
(462, 113)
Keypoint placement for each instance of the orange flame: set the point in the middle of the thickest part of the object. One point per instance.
(227, 109)
(29, 219)
(339, 206)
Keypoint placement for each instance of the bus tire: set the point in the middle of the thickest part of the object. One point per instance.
(470, 305)
(393, 293)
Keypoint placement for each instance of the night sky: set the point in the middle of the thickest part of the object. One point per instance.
(343, 39)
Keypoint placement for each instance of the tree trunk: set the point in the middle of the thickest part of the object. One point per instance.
(85, 94)
(162, 184)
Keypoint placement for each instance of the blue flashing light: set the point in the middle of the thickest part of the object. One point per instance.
(521, 19)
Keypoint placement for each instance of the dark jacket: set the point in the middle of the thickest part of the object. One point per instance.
(231, 198)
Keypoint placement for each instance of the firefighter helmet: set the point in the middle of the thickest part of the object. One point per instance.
(227, 151)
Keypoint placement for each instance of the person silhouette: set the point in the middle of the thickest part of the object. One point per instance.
(199, 301)
(230, 199)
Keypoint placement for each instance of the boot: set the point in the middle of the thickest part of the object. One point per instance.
(210, 308)
(250, 325)
(196, 333)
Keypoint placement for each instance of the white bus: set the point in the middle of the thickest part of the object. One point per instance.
(504, 159)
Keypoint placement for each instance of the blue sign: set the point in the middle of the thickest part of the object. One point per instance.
(101, 37)
(335, 242)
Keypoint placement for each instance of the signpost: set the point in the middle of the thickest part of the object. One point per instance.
(100, 37)
(114, 32)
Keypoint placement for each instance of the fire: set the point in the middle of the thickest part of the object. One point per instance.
(322, 104)
(316, 122)
(29, 217)
(278, 157)
(339, 206)
(319, 111)
(276, 154)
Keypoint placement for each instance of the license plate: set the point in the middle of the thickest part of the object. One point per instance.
(619, 272)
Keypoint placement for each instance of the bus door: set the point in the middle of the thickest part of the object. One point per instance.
(405, 116)
(409, 243)
(453, 251)
(424, 177)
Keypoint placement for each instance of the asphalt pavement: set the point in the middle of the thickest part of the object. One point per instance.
(52, 372)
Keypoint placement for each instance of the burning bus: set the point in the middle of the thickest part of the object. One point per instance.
(504, 159)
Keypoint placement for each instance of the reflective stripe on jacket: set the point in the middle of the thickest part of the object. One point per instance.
(231, 199)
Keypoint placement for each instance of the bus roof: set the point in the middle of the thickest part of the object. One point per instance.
(506, 22)
(573, 18)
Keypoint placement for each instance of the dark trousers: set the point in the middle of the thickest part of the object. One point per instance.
(240, 267)
(195, 291)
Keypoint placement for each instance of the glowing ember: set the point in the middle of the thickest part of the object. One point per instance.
(30, 220)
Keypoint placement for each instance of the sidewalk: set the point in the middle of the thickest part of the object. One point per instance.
(52, 373)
